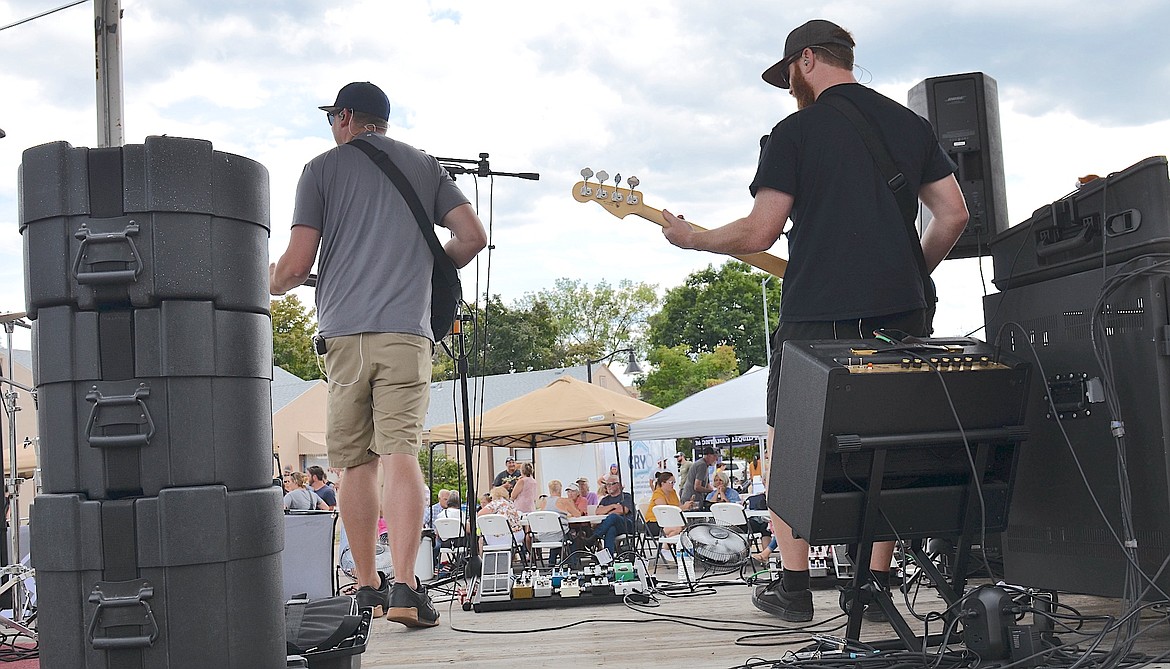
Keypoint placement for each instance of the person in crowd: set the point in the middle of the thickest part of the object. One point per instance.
(663, 494)
(697, 484)
(723, 491)
(502, 504)
(452, 509)
(613, 471)
(583, 488)
(373, 294)
(435, 509)
(524, 490)
(573, 493)
(299, 497)
(509, 475)
(829, 294)
(618, 508)
(484, 500)
(755, 468)
(562, 505)
(684, 465)
(320, 485)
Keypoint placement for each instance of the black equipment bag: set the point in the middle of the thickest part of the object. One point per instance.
(446, 291)
(319, 624)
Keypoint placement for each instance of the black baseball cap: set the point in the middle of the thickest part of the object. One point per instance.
(361, 96)
(817, 31)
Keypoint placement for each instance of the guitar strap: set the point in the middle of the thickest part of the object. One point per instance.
(907, 201)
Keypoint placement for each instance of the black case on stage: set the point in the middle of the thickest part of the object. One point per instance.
(1056, 537)
(829, 396)
(1117, 218)
(156, 582)
(131, 226)
(135, 401)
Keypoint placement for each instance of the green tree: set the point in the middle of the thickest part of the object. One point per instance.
(292, 331)
(594, 321)
(719, 307)
(677, 375)
(448, 473)
(501, 340)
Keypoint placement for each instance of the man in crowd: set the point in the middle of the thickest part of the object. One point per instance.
(509, 475)
(697, 483)
(320, 485)
(618, 508)
(436, 508)
(816, 170)
(374, 315)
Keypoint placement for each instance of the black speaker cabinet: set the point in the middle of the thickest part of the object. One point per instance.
(836, 398)
(964, 110)
(1056, 538)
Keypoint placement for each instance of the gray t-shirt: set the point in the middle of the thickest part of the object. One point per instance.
(374, 267)
(696, 474)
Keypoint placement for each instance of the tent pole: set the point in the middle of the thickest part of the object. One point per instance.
(618, 456)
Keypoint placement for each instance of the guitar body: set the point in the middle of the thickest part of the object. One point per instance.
(622, 202)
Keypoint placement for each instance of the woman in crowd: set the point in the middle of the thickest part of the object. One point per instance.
(524, 491)
(574, 495)
(502, 504)
(562, 505)
(664, 494)
(299, 497)
(723, 491)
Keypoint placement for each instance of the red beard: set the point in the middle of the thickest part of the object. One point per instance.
(801, 90)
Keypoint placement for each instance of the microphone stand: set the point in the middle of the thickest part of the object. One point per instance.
(481, 168)
(471, 565)
(14, 572)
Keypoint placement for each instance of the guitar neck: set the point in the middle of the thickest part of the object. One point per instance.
(765, 261)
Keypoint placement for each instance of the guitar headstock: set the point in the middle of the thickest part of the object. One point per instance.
(618, 201)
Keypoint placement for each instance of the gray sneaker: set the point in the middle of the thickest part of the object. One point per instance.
(376, 599)
(412, 606)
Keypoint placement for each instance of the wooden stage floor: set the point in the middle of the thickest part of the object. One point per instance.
(721, 629)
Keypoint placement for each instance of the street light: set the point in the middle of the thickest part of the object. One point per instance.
(631, 368)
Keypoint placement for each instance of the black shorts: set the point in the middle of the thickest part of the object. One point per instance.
(912, 322)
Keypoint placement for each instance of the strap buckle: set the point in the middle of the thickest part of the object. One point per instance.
(897, 182)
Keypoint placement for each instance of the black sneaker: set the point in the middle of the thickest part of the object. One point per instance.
(795, 607)
(377, 599)
(875, 614)
(412, 606)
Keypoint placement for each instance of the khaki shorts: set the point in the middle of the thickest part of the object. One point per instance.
(379, 389)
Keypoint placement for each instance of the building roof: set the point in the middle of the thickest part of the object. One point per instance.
(287, 386)
(488, 392)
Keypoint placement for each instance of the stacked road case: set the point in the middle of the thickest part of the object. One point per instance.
(158, 535)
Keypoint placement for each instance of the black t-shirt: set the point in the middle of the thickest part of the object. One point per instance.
(849, 255)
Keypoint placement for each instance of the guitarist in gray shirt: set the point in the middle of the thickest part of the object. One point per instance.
(373, 306)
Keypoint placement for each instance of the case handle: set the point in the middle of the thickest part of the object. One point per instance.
(102, 277)
(119, 440)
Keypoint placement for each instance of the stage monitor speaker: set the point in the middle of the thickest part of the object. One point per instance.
(837, 397)
(964, 110)
(1056, 538)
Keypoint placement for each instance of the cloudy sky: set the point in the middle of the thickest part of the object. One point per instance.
(669, 92)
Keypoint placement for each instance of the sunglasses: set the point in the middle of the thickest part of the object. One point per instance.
(329, 116)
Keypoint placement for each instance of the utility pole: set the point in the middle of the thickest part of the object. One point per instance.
(107, 17)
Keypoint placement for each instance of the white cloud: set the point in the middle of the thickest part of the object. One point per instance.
(667, 91)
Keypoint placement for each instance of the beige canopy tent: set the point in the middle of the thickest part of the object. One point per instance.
(566, 411)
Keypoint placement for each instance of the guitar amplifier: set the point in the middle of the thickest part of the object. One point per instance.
(834, 394)
(1105, 222)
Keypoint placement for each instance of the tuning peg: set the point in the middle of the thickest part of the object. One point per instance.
(603, 176)
(633, 182)
(586, 173)
(617, 179)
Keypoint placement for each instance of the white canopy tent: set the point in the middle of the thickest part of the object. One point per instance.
(731, 408)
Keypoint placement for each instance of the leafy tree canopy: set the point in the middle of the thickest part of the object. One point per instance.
(678, 375)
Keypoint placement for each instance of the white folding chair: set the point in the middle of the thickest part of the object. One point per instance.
(549, 524)
(497, 533)
(450, 529)
(668, 517)
(733, 515)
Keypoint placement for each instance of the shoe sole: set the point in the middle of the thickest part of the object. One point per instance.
(409, 616)
(782, 613)
(377, 611)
